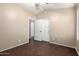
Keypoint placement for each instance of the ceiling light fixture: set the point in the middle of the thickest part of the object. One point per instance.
(40, 5)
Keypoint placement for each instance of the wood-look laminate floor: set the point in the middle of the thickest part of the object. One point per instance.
(37, 48)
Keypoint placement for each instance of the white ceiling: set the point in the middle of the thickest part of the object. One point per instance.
(50, 6)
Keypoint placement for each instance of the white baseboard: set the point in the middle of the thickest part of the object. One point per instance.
(62, 45)
(77, 51)
(67, 46)
(49, 42)
(13, 47)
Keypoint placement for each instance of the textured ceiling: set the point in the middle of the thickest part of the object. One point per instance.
(31, 7)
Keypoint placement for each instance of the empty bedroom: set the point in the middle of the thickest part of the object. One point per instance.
(39, 29)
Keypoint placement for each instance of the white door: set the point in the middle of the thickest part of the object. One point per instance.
(42, 30)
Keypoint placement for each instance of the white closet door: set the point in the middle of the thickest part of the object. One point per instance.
(42, 30)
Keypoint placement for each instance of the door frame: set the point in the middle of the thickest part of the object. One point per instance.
(30, 21)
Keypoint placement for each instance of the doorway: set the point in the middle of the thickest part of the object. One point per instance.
(31, 30)
(39, 30)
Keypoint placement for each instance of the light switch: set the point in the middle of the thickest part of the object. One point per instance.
(24, 29)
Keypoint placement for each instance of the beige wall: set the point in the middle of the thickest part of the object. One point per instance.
(62, 26)
(14, 28)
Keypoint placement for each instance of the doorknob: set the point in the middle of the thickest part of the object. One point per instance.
(40, 31)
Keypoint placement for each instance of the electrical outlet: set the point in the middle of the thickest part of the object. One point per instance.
(54, 38)
(19, 40)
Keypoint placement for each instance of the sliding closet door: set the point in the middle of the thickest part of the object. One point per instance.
(42, 30)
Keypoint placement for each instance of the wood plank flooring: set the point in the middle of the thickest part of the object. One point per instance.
(39, 48)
